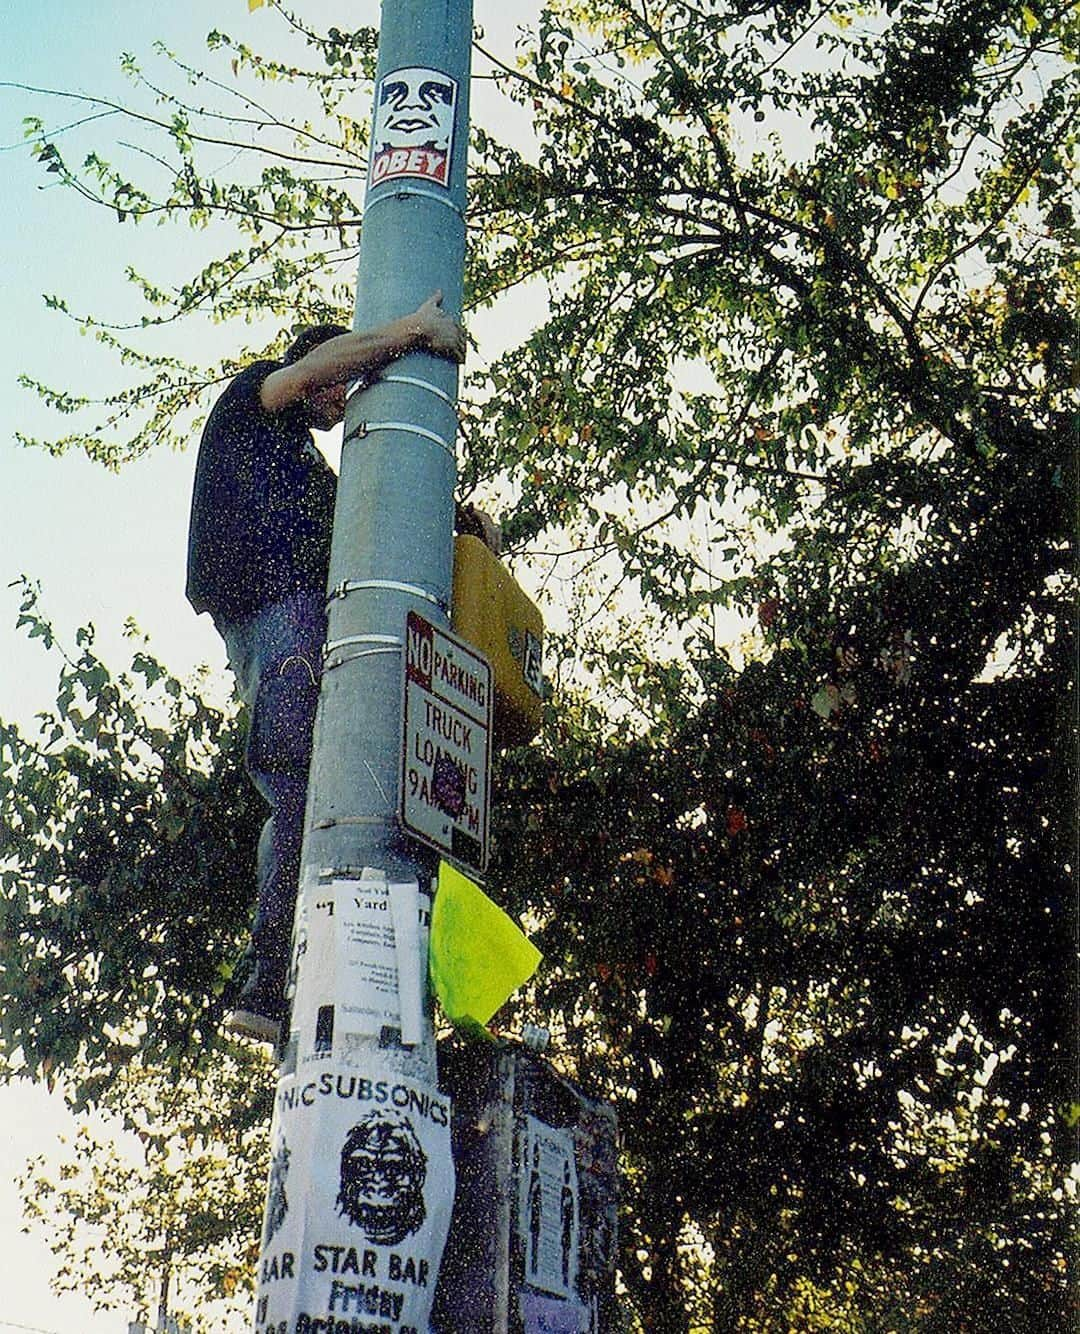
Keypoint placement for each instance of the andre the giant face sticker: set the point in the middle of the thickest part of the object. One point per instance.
(413, 130)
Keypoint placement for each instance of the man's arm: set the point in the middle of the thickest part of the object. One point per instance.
(352, 355)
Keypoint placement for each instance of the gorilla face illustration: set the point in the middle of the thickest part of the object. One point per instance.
(415, 110)
(383, 1169)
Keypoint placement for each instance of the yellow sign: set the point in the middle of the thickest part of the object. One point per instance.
(478, 955)
(492, 612)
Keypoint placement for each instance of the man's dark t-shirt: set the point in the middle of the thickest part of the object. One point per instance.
(262, 508)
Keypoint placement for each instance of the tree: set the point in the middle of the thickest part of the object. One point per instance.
(280, 196)
(128, 832)
(162, 1217)
(127, 849)
(806, 909)
(824, 897)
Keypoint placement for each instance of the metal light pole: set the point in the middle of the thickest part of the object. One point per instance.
(361, 1178)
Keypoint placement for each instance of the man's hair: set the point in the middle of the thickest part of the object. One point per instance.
(310, 338)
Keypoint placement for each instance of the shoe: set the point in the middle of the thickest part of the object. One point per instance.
(243, 1023)
(259, 1005)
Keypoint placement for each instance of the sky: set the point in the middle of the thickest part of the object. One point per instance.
(104, 546)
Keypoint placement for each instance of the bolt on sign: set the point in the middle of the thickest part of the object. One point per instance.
(446, 744)
(413, 130)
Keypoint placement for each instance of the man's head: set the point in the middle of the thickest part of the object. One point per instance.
(325, 405)
(309, 338)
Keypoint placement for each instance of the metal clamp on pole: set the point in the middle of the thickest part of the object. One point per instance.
(383, 644)
(364, 429)
(417, 383)
(347, 586)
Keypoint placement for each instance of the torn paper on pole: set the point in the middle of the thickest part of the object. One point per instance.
(365, 946)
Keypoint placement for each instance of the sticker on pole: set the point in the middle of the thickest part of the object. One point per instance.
(446, 750)
(413, 129)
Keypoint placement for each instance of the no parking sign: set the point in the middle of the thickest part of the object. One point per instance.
(446, 743)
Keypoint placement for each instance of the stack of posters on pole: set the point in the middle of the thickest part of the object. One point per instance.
(360, 956)
(361, 1180)
(358, 1205)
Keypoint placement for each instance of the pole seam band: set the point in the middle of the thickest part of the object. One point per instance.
(417, 383)
(404, 191)
(364, 429)
(354, 657)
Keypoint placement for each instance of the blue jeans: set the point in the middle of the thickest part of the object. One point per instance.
(275, 655)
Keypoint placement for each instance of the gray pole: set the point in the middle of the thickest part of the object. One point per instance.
(393, 529)
(361, 1179)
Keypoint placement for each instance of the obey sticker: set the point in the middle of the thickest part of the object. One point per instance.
(413, 129)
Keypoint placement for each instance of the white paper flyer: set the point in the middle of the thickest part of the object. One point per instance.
(359, 1247)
